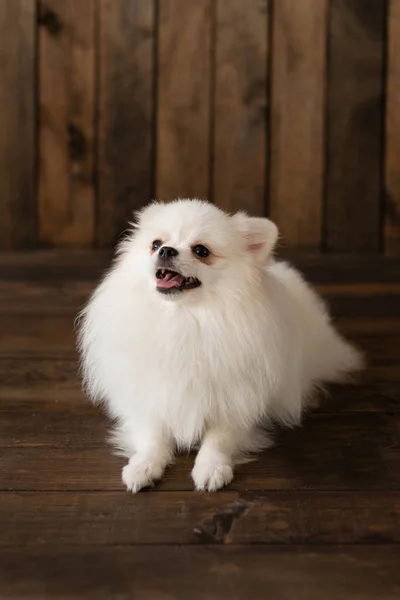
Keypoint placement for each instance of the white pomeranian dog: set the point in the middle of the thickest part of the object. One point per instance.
(196, 337)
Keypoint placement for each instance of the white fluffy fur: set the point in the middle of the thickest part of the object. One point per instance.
(208, 365)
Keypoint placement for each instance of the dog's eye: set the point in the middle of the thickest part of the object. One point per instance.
(156, 245)
(201, 251)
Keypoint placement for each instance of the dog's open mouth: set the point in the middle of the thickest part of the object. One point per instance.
(170, 281)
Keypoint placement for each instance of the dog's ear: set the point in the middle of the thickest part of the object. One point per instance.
(260, 235)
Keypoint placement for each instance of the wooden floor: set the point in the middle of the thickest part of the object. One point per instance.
(317, 517)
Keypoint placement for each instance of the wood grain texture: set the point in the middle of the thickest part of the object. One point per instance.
(192, 517)
(41, 335)
(66, 70)
(356, 451)
(57, 297)
(66, 132)
(17, 124)
(31, 373)
(87, 426)
(54, 265)
(315, 516)
(54, 297)
(61, 469)
(208, 572)
(183, 99)
(355, 125)
(126, 89)
(392, 151)
(345, 268)
(59, 281)
(240, 106)
(88, 265)
(55, 385)
(297, 120)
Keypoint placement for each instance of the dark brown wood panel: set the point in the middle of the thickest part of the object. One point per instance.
(55, 296)
(183, 99)
(54, 265)
(54, 385)
(381, 373)
(39, 336)
(355, 125)
(353, 327)
(78, 265)
(240, 105)
(315, 516)
(51, 425)
(48, 398)
(125, 96)
(208, 572)
(379, 349)
(193, 517)
(383, 396)
(297, 120)
(357, 290)
(17, 124)
(343, 305)
(66, 83)
(331, 451)
(58, 296)
(286, 108)
(392, 153)
(29, 374)
(60, 467)
(345, 268)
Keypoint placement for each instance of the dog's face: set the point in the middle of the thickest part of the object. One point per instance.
(190, 247)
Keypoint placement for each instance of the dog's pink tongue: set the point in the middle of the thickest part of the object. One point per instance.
(170, 282)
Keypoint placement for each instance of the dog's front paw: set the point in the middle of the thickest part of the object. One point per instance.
(140, 473)
(211, 476)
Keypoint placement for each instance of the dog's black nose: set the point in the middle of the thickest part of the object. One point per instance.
(167, 252)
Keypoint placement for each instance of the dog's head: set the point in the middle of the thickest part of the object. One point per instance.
(190, 248)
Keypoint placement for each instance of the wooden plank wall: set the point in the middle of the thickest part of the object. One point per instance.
(287, 109)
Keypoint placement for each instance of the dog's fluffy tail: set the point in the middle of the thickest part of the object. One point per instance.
(342, 360)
